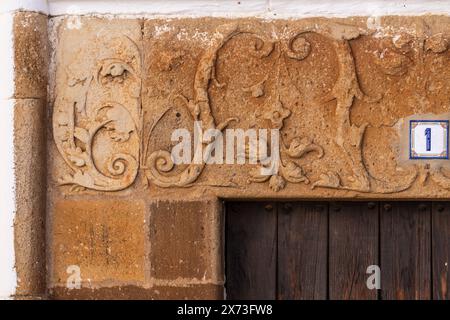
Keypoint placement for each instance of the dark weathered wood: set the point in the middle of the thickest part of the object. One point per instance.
(251, 250)
(353, 246)
(441, 250)
(405, 250)
(302, 250)
(409, 240)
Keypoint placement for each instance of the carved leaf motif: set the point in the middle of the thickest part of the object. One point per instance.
(160, 162)
(298, 48)
(76, 156)
(256, 176)
(277, 183)
(300, 147)
(329, 180)
(82, 134)
(79, 162)
(257, 90)
(121, 124)
(293, 173)
(79, 178)
(440, 178)
(65, 179)
(83, 179)
(290, 172)
(277, 114)
(114, 71)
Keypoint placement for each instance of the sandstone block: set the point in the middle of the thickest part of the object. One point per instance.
(31, 55)
(104, 238)
(30, 168)
(186, 240)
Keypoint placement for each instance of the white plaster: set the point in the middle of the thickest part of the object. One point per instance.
(8, 277)
(270, 9)
(74, 22)
(347, 8)
(194, 8)
(25, 5)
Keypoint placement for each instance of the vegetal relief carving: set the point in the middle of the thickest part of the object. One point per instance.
(408, 55)
(348, 136)
(288, 171)
(257, 90)
(79, 119)
(159, 164)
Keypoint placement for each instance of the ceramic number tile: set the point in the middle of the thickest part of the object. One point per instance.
(428, 139)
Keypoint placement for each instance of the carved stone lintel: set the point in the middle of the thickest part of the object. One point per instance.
(82, 121)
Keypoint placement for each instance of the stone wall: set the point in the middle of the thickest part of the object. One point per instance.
(339, 90)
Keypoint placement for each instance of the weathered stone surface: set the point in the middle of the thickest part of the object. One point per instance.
(29, 223)
(186, 241)
(98, 84)
(105, 239)
(31, 55)
(339, 91)
(196, 292)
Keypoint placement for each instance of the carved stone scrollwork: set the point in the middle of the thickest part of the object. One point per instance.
(159, 163)
(79, 120)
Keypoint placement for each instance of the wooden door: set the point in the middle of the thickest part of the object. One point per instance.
(321, 250)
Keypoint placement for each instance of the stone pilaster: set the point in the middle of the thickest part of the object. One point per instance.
(30, 114)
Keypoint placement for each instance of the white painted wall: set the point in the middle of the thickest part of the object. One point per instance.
(271, 9)
(28, 5)
(7, 184)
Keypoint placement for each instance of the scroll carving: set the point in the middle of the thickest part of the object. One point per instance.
(159, 163)
(81, 121)
(78, 120)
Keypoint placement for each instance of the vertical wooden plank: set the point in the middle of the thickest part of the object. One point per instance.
(405, 250)
(441, 250)
(353, 247)
(302, 250)
(251, 240)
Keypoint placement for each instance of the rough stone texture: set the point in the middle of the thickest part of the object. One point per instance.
(29, 223)
(105, 239)
(30, 126)
(101, 84)
(195, 292)
(31, 55)
(339, 91)
(185, 240)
